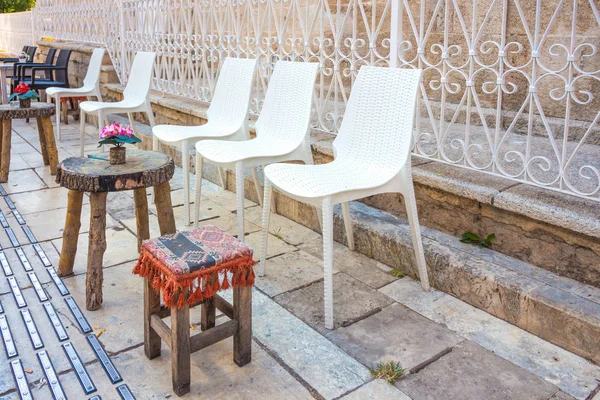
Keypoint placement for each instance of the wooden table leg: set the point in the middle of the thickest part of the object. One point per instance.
(71, 233)
(96, 248)
(50, 144)
(152, 341)
(164, 208)
(242, 312)
(141, 215)
(208, 314)
(42, 137)
(5, 152)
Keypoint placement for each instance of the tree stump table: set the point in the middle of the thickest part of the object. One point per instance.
(42, 113)
(143, 169)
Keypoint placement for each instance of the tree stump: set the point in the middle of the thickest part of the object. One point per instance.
(42, 112)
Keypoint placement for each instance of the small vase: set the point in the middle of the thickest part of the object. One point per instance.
(117, 155)
(24, 103)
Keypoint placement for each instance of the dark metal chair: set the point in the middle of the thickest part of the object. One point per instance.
(20, 69)
(29, 50)
(59, 72)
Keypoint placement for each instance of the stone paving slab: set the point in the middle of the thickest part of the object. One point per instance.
(352, 300)
(42, 200)
(24, 181)
(365, 269)
(376, 390)
(395, 334)
(282, 227)
(320, 363)
(469, 372)
(571, 373)
(276, 246)
(288, 272)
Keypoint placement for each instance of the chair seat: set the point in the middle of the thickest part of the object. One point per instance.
(203, 261)
(177, 133)
(227, 152)
(317, 181)
(93, 106)
(52, 91)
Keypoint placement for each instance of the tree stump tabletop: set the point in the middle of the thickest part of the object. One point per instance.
(36, 110)
(143, 169)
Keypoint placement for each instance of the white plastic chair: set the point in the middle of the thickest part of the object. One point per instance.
(135, 95)
(227, 118)
(281, 131)
(91, 86)
(372, 155)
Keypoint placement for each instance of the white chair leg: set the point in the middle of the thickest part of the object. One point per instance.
(100, 124)
(130, 116)
(328, 261)
(257, 186)
(415, 230)
(223, 178)
(266, 216)
(185, 162)
(239, 194)
(150, 115)
(273, 205)
(49, 99)
(348, 225)
(81, 132)
(198, 193)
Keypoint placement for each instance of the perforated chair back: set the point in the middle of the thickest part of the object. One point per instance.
(49, 61)
(231, 98)
(140, 77)
(288, 102)
(93, 73)
(378, 122)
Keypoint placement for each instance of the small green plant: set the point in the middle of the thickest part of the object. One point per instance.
(470, 237)
(396, 273)
(389, 371)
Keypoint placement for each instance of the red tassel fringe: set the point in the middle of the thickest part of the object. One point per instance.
(177, 290)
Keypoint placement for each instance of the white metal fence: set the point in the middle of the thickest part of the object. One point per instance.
(511, 88)
(16, 31)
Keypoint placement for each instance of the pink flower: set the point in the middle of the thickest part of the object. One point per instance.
(116, 130)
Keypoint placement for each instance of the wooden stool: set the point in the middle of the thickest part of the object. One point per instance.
(64, 107)
(189, 268)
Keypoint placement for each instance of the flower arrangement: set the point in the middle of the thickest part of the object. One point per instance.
(117, 135)
(24, 93)
(23, 57)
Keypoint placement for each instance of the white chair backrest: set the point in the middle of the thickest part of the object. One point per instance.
(231, 99)
(286, 110)
(140, 77)
(93, 73)
(378, 122)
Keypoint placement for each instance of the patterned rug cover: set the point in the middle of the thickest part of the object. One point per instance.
(190, 266)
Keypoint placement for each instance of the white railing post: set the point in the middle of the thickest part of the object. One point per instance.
(122, 40)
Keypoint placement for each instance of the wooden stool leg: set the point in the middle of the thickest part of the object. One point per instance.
(42, 137)
(141, 215)
(71, 233)
(96, 248)
(242, 312)
(50, 144)
(5, 152)
(152, 341)
(65, 113)
(180, 349)
(208, 314)
(164, 208)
